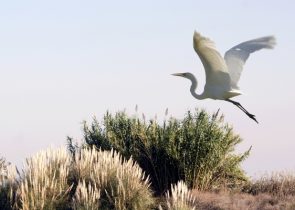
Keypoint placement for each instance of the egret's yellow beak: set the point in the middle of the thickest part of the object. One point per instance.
(178, 74)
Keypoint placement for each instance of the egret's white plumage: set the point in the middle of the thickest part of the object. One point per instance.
(223, 74)
(237, 56)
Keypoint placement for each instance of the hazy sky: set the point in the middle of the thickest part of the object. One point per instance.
(62, 62)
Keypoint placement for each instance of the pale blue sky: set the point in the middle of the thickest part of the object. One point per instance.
(63, 62)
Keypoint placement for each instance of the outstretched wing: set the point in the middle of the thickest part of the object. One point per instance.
(217, 75)
(237, 56)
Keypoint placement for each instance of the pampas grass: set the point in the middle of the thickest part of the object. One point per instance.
(122, 183)
(43, 183)
(180, 198)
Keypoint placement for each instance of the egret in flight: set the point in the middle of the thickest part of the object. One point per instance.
(223, 74)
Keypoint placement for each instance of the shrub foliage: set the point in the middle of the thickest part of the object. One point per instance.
(197, 149)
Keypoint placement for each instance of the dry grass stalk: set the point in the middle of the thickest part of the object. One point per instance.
(239, 201)
(44, 181)
(122, 183)
(180, 198)
(279, 184)
(87, 196)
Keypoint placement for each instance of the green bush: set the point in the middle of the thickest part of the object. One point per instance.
(197, 149)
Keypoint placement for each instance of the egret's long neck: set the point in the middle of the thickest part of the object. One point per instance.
(193, 88)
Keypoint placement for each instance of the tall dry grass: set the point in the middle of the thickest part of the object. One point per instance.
(224, 200)
(275, 191)
(44, 181)
(270, 192)
(180, 198)
(53, 179)
(121, 183)
(86, 197)
(278, 183)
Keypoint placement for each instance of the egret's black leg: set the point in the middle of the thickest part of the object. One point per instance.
(238, 105)
(252, 116)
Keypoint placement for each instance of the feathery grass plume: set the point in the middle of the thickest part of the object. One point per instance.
(180, 198)
(2, 165)
(3, 169)
(198, 149)
(122, 183)
(279, 184)
(86, 197)
(44, 183)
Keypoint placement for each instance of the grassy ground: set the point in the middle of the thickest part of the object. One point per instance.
(239, 201)
(270, 192)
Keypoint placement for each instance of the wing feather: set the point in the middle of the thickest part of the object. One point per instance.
(217, 75)
(237, 56)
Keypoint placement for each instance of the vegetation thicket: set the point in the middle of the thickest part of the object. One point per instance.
(198, 149)
(127, 163)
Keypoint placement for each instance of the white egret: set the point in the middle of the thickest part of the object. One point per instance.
(223, 74)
